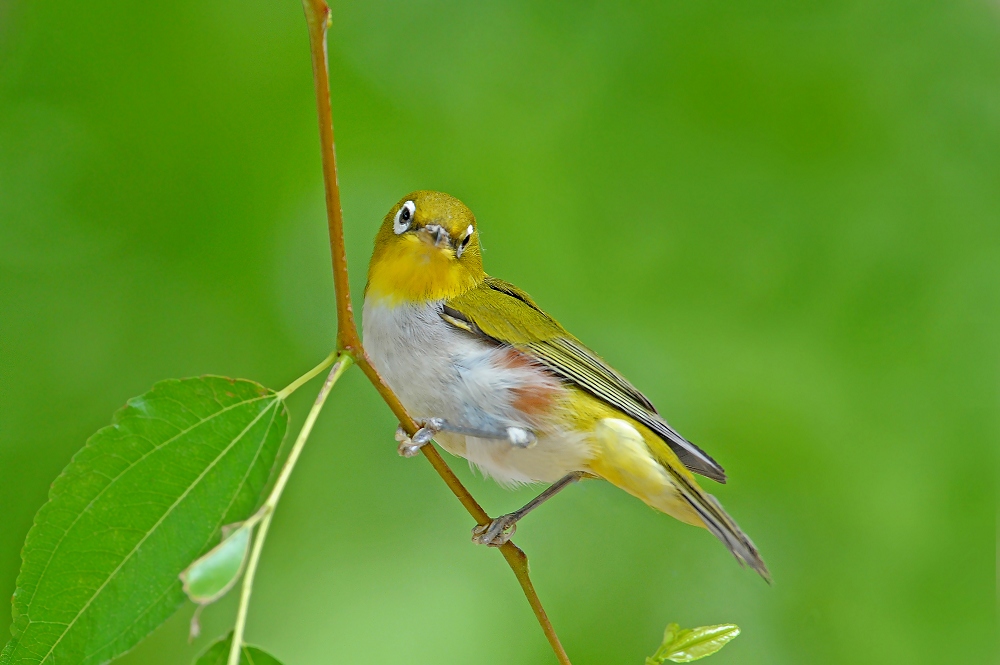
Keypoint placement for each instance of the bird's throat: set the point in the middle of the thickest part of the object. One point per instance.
(409, 273)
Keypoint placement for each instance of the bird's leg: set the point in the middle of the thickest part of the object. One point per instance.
(520, 437)
(410, 446)
(500, 530)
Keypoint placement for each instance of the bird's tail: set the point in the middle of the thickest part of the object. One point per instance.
(644, 466)
(712, 515)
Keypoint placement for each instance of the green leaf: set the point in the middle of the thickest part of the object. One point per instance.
(145, 497)
(696, 643)
(218, 653)
(684, 646)
(210, 577)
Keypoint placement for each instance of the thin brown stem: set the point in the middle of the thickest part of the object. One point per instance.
(318, 20)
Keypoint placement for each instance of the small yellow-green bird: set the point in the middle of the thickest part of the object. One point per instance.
(496, 380)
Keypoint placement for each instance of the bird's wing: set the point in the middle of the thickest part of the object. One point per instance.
(504, 314)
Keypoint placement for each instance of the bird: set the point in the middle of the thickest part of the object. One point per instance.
(493, 378)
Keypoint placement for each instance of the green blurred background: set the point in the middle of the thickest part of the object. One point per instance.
(779, 219)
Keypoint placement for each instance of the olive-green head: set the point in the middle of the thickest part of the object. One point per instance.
(426, 249)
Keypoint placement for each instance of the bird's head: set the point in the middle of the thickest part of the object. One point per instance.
(426, 249)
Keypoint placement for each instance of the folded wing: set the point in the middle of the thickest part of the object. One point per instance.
(503, 314)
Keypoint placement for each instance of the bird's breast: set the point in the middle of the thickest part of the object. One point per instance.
(412, 350)
(437, 370)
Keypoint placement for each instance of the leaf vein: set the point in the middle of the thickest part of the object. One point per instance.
(197, 480)
(260, 447)
(65, 531)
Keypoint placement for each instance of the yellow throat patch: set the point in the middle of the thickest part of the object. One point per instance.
(409, 270)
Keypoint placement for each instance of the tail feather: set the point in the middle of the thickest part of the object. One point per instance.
(720, 524)
(641, 463)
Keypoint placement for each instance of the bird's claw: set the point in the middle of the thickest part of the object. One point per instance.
(406, 446)
(410, 446)
(496, 533)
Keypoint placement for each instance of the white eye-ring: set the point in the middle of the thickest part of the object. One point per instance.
(465, 241)
(404, 217)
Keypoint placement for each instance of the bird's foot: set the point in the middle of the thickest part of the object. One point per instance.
(409, 446)
(497, 532)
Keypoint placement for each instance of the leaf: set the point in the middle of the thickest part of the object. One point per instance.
(684, 646)
(210, 577)
(218, 653)
(145, 497)
(697, 643)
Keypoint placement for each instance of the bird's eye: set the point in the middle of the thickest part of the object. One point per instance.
(465, 241)
(404, 217)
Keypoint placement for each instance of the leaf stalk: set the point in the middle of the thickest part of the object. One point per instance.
(343, 361)
(308, 376)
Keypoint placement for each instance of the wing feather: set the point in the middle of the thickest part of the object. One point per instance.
(502, 313)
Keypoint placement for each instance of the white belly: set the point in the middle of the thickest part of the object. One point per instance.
(439, 371)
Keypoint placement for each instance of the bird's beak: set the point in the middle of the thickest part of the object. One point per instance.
(435, 235)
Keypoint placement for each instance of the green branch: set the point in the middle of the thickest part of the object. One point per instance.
(266, 511)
